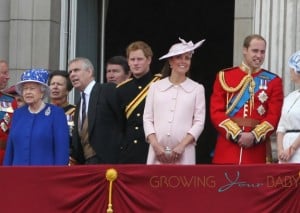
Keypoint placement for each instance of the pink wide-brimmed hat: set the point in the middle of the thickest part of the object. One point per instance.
(183, 47)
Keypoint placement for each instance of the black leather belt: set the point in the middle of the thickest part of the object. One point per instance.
(292, 130)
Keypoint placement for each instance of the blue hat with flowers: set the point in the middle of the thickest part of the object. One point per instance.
(294, 62)
(33, 75)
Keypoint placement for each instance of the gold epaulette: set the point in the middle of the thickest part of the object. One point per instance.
(124, 82)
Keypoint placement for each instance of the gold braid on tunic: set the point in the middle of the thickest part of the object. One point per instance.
(242, 87)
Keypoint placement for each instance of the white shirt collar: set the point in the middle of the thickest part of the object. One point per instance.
(88, 89)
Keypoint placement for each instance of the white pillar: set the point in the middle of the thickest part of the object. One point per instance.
(4, 29)
(278, 21)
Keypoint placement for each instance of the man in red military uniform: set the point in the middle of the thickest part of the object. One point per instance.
(7, 106)
(245, 107)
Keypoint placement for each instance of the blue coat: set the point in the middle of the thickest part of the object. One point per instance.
(38, 139)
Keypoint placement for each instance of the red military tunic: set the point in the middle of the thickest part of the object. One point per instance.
(231, 113)
(7, 106)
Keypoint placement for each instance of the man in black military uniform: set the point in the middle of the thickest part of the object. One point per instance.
(131, 96)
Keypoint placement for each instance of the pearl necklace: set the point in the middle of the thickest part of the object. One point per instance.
(39, 109)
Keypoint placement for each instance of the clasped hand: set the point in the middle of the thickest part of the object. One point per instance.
(246, 140)
(168, 155)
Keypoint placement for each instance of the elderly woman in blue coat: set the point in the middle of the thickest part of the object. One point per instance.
(39, 132)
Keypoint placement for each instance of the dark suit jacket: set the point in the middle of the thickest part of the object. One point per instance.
(103, 125)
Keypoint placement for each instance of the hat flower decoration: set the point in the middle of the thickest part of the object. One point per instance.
(182, 47)
(39, 76)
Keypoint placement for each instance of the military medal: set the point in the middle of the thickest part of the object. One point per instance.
(70, 120)
(6, 118)
(70, 123)
(262, 96)
(263, 84)
(261, 110)
(3, 126)
(6, 107)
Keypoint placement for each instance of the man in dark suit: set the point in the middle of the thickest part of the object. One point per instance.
(95, 134)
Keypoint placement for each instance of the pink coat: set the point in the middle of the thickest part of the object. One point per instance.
(172, 111)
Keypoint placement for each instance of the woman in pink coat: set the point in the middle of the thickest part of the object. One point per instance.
(174, 112)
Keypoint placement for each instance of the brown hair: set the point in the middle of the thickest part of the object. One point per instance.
(63, 74)
(166, 70)
(119, 60)
(249, 38)
(140, 45)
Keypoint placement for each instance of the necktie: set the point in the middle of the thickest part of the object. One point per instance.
(83, 109)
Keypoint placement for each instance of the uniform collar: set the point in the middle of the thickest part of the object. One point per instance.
(145, 77)
(247, 69)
